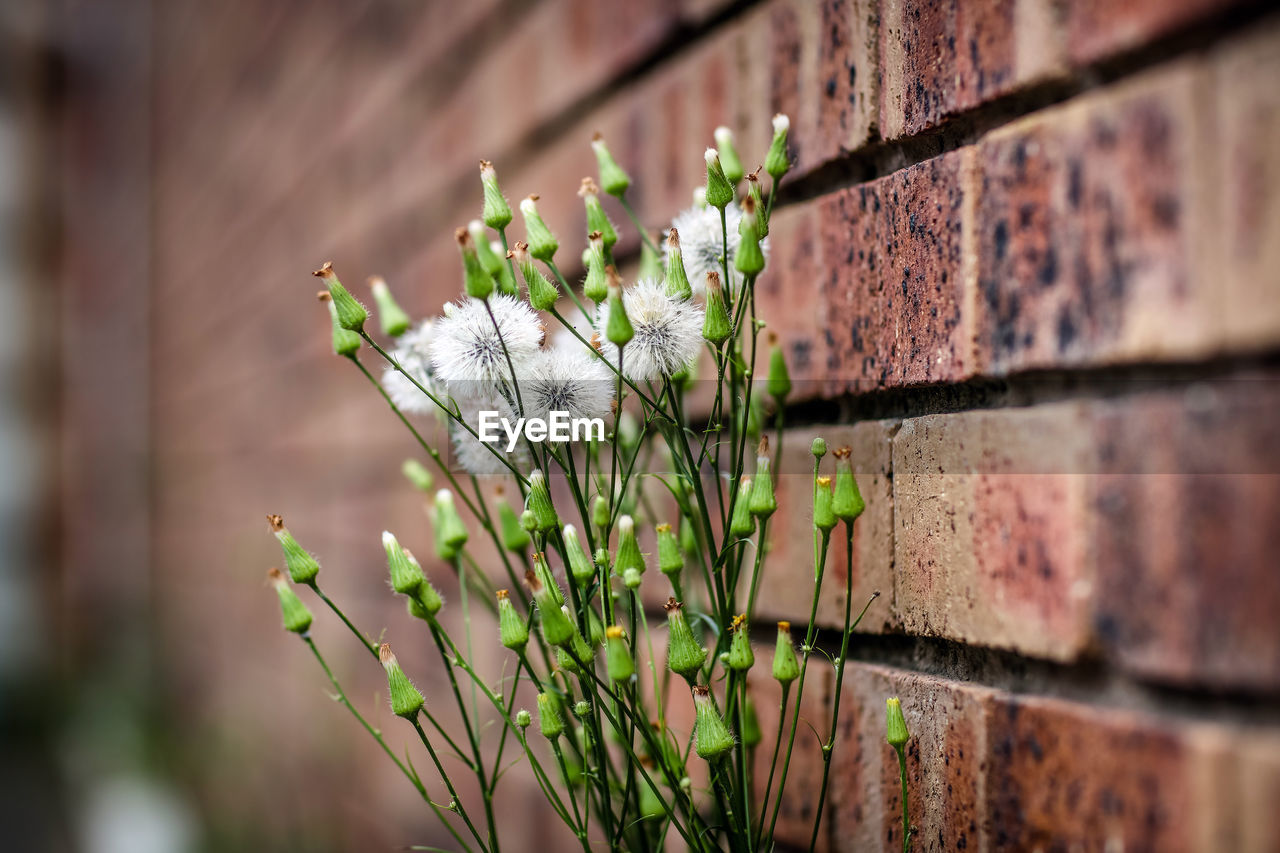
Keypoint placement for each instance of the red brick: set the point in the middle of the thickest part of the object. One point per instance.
(847, 84)
(1076, 777)
(1088, 222)
(992, 528)
(941, 57)
(895, 294)
(1187, 582)
(945, 763)
(1097, 29)
(1245, 251)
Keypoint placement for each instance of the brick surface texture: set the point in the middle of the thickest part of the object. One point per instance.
(1027, 266)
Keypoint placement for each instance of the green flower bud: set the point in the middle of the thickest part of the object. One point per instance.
(582, 650)
(580, 567)
(712, 737)
(497, 268)
(415, 472)
(345, 341)
(581, 708)
(405, 576)
(650, 263)
(670, 560)
(896, 724)
(778, 384)
(523, 719)
(426, 602)
(539, 503)
(719, 190)
(542, 243)
(543, 569)
(602, 559)
(302, 567)
(824, 516)
(596, 285)
(741, 523)
(631, 579)
(528, 521)
(350, 313)
(543, 293)
(651, 807)
(776, 162)
(297, 618)
(751, 733)
(406, 701)
(511, 628)
(848, 503)
(557, 629)
(741, 656)
(716, 326)
(477, 281)
(763, 501)
(514, 537)
(688, 538)
(684, 655)
(818, 448)
(756, 194)
(617, 656)
(729, 158)
(677, 279)
(394, 320)
(595, 627)
(600, 512)
(549, 719)
(497, 213)
(749, 258)
(628, 555)
(597, 219)
(612, 177)
(451, 533)
(618, 329)
(785, 666)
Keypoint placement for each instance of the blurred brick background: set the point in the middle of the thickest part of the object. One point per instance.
(1028, 263)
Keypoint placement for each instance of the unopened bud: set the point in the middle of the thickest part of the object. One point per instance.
(786, 668)
(677, 279)
(777, 162)
(729, 158)
(296, 616)
(719, 190)
(712, 737)
(394, 320)
(542, 243)
(497, 213)
(614, 180)
(415, 472)
(406, 701)
(351, 314)
(302, 566)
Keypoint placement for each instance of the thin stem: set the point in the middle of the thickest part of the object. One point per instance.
(456, 805)
(635, 220)
(555, 270)
(906, 820)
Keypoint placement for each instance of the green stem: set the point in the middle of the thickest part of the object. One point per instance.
(635, 220)
(906, 820)
(555, 270)
(456, 805)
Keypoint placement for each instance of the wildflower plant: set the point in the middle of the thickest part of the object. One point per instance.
(553, 549)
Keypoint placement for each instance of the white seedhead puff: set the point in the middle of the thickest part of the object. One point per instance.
(413, 352)
(668, 331)
(572, 380)
(467, 348)
(701, 240)
(476, 457)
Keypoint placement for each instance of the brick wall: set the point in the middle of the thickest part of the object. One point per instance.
(1026, 264)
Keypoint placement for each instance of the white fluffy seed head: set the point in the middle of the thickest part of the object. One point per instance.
(467, 347)
(667, 331)
(413, 352)
(477, 457)
(570, 379)
(702, 240)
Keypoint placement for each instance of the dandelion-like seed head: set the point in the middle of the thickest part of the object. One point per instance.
(413, 352)
(569, 379)
(701, 242)
(668, 332)
(467, 346)
(475, 456)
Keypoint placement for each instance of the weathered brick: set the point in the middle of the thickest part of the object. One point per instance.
(1087, 226)
(1187, 583)
(1097, 29)
(1246, 246)
(789, 296)
(945, 763)
(991, 520)
(894, 291)
(1075, 777)
(847, 80)
(786, 587)
(942, 57)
